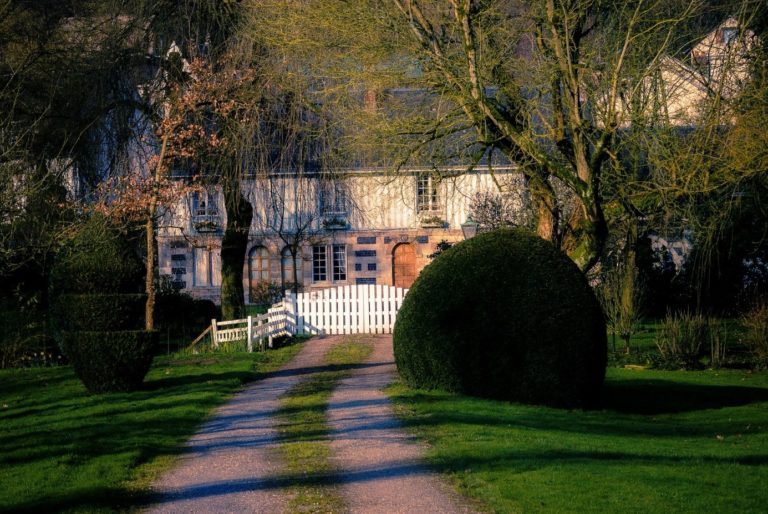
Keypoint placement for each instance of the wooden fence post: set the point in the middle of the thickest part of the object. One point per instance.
(214, 333)
(250, 334)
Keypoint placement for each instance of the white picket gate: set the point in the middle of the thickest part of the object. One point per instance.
(358, 309)
(255, 330)
(355, 309)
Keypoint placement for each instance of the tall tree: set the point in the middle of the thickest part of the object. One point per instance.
(68, 73)
(540, 81)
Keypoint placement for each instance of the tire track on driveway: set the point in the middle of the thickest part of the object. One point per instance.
(232, 463)
(380, 466)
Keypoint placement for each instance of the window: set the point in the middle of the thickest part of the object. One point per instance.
(319, 263)
(204, 204)
(258, 265)
(427, 198)
(333, 197)
(205, 215)
(339, 262)
(207, 267)
(287, 265)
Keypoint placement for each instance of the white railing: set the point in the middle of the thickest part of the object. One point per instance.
(254, 330)
(357, 309)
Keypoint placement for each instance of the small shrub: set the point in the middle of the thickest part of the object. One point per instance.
(718, 343)
(110, 361)
(205, 311)
(440, 248)
(680, 341)
(755, 324)
(266, 293)
(620, 294)
(180, 313)
(25, 340)
(684, 338)
(504, 315)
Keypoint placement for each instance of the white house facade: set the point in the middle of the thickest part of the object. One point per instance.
(363, 226)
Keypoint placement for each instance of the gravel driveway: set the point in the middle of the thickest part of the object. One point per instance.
(232, 464)
(380, 463)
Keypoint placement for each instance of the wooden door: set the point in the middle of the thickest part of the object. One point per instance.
(403, 265)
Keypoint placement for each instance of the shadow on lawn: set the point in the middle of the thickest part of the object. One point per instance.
(656, 396)
(637, 408)
(132, 428)
(512, 459)
(62, 427)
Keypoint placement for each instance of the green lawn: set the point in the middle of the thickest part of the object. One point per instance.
(61, 449)
(666, 442)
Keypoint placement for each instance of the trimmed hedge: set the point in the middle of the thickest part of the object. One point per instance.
(110, 361)
(504, 315)
(94, 312)
(97, 259)
(96, 279)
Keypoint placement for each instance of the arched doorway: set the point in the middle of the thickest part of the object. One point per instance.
(403, 265)
(258, 268)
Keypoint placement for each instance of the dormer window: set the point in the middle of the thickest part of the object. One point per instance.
(205, 214)
(427, 195)
(204, 204)
(333, 198)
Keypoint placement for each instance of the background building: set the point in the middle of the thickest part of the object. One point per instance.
(362, 226)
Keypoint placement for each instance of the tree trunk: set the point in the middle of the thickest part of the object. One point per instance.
(546, 208)
(234, 246)
(587, 232)
(629, 283)
(149, 307)
(149, 226)
(295, 257)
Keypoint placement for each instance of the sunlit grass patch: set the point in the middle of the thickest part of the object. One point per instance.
(665, 442)
(63, 450)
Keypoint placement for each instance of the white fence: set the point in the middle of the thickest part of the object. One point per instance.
(358, 309)
(255, 330)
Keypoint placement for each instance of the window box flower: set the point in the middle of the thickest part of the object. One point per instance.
(432, 222)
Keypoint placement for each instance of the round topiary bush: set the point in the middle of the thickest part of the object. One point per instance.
(504, 315)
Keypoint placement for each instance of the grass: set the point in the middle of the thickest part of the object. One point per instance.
(644, 351)
(666, 442)
(303, 431)
(63, 450)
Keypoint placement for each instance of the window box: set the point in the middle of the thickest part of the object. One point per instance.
(206, 225)
(205, 215)
(335, 223)
(432, 222)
